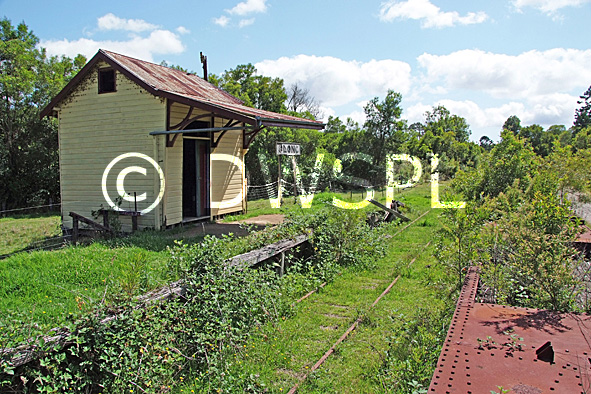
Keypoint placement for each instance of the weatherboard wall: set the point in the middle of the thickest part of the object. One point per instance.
(227, 173)
(96, 128)
(226, 168)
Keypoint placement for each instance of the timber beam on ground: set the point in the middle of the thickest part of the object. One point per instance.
(391, 212)
(277, 249)
(62, 337)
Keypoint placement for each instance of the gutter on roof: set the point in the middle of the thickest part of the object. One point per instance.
(289, 123)
(192, 131)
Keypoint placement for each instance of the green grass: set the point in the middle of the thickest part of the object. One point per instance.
(45, 287)
(280, 353)
(20, 232)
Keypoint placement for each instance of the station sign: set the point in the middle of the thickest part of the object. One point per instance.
(288, 149)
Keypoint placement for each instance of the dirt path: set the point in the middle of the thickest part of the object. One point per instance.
(237, 228)
(263, 220)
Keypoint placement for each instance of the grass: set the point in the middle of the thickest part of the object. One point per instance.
(21, 232)
(45, 287)
(281, 353)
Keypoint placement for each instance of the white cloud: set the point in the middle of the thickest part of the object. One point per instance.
(159, 42)
(550, 109)
(327, 112)
(548, 6)
(222, 21)
(334, 82)
(248, 7)
(243, 9)
(112, 22)
(546, 110)
(486, 88)
(245, 22)
(182, 30)
(525, 75)
(428, 13)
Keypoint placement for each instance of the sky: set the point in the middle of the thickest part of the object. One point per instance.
(484, 60)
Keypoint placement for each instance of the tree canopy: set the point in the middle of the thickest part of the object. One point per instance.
(583, 114)
(29, 151)
(254, 90)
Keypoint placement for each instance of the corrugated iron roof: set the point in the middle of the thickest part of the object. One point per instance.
(182, 87)
(491, 348)
(171, 80)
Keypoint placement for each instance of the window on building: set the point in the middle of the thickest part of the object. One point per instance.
(106, 81)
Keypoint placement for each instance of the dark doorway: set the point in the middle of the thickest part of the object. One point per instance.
(195, 178)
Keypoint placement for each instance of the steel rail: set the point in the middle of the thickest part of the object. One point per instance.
(359, 319)
(340, 273)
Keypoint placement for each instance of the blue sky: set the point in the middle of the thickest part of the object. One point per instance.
(484, 60)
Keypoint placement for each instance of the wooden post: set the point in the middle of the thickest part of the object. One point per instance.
(279, 196)
(74, 230)
(245, 195)
(282, 266)
(134, 223)
(105, 217)
(295, 186)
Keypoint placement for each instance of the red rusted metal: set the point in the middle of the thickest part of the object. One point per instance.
(184, 88)
(483, 352)
(585, 237)
(191, 86)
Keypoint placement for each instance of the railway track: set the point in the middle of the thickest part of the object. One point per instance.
(359, 319)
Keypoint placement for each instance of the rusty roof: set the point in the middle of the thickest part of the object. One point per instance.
(184, 88)
(490, 348)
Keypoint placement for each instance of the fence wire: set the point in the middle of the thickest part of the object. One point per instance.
(270, 190)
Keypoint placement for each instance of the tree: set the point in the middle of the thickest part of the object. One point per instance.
(486, 143)
(384, 130)
(511, 160)
(583, 114)
(459, 238)
(513, 124)
(583, 139)
(445, 135)
(254, 90)
(441, 122)
(540, 255)
(300, 100)
(177, 67)
(29, 151)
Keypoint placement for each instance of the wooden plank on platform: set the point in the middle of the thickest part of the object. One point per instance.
(256, 256)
